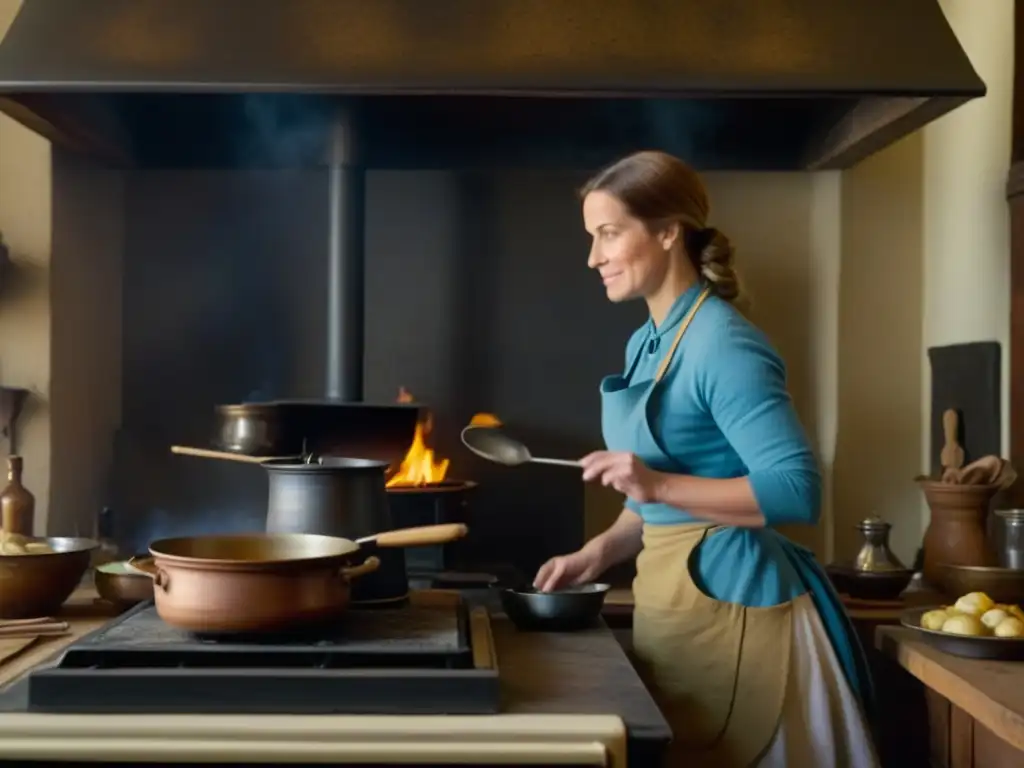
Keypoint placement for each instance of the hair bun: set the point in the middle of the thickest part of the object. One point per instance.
(716, 258)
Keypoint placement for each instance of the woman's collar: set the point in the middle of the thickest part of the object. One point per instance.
(678, 311)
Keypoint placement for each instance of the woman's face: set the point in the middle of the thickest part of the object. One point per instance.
(631, 260)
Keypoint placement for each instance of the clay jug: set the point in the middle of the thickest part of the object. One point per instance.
(957, 531)
(17, 504)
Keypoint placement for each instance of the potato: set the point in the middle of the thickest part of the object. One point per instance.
(16, 544)
(1010, 627)
(1015, 610)
(12, 548)
(964, 624)
(934, 619)
(992, 618)
(974, 603)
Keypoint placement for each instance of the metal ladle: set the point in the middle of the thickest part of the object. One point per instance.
(494, 445)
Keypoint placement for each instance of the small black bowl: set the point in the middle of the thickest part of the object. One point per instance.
(877, 585)
(565, 610)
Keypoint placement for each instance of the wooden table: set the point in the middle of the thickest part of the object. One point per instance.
(975, 707)
(83, 613)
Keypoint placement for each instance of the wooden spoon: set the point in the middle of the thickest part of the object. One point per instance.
(206, 453)
(952, 456)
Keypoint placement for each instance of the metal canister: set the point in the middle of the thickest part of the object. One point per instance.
(1011, 555)
(874, 555)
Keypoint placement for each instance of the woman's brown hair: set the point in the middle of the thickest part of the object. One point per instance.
(658, 189)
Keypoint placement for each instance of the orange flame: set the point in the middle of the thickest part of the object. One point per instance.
(485, 420)
(420, 466)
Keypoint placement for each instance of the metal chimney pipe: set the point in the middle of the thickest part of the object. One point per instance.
(346, 258)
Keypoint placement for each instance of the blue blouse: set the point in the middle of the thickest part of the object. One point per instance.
(722, 410)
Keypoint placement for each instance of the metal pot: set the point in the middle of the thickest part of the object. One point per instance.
(332, 497)
(446, 502)
(116, 583)
(338, 497)
(254, 429)
(252, 583)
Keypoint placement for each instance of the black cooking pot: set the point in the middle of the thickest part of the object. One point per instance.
(338, 497)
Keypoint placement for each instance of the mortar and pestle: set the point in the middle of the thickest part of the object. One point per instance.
(960, 501)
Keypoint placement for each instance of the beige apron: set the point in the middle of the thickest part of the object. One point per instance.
(717, 670)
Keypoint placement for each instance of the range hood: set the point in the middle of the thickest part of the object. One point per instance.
(728, 84)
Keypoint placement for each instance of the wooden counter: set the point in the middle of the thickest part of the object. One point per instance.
(571, 696)
(83, 613)
(975, 708)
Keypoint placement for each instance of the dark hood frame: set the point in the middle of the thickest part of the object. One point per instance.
(729, 84)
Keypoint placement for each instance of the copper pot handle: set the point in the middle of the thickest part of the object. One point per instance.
(369, 565)
(147, 567)
(421, 535)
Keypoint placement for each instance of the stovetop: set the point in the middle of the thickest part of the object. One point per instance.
(414, 659)
(358, 638)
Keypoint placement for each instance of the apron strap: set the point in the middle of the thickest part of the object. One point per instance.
(679, 334)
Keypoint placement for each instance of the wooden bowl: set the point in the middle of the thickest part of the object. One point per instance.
(118, 584)
(32, 586)
(1003, 585)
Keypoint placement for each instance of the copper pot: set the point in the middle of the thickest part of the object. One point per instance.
(252, 583)
(266, 582)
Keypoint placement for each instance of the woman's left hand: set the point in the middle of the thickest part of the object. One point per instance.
(624, 472)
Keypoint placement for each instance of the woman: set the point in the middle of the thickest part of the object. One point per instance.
(745, 645)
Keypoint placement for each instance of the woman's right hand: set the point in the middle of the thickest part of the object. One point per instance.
(580, 567)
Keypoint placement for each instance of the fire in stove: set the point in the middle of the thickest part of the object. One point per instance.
(421, 467)
(421, 493)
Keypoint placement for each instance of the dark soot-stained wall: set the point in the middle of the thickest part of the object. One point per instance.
(478, 299)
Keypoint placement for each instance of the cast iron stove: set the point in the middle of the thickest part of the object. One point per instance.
(432, 656)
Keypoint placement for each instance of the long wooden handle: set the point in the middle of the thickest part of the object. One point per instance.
(419, 536)
(34, 630)
(206, 453)
(950, 422)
